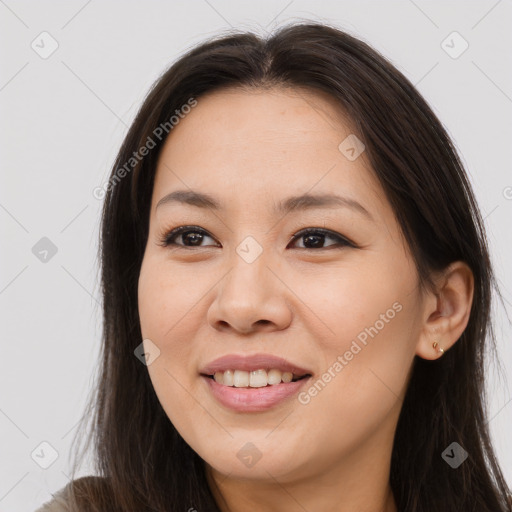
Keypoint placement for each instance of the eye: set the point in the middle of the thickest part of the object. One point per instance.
(313, 238)
(188, 234)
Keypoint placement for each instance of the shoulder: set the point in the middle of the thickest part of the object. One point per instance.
(61, 499)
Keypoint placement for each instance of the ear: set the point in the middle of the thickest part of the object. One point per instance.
(446, 310)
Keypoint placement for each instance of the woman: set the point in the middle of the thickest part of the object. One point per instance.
(296, 291)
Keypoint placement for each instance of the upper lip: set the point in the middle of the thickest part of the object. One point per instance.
(252, 362)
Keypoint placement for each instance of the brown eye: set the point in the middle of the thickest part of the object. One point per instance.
(314, 238)
(191, 236)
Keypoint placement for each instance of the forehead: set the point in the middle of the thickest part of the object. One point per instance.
(240, 113)
(262, 141)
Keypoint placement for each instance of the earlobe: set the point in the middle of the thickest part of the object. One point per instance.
(438, 349)
(446, 311)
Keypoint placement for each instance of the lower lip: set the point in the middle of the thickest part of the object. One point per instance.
(253, 399)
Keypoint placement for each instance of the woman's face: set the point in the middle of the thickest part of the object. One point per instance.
(244, 281)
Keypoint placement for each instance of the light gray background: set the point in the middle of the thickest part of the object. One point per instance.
(63, 119)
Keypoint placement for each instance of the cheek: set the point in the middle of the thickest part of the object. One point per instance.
(361, 304)
(166, 300)
(373, 322)
(168, 312)
(359, 395)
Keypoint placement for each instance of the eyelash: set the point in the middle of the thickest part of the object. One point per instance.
(167, 238)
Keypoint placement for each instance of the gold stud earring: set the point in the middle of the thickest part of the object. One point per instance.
(437, 347)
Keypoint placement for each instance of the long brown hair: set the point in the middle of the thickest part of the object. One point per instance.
(143, 462)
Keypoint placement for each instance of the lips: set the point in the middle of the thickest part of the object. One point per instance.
(251, 363)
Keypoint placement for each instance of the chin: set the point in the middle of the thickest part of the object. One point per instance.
(248, 461)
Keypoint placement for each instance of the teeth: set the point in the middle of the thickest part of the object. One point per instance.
(255, 379)
(241, 379)
(228, 378)
(274, 377)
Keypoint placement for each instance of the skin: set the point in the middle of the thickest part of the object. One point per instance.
(250, 149)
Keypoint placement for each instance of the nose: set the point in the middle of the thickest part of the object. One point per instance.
(250, 298)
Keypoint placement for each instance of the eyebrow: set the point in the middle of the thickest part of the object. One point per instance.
(291, 204)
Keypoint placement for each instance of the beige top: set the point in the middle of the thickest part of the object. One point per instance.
(58, 503)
